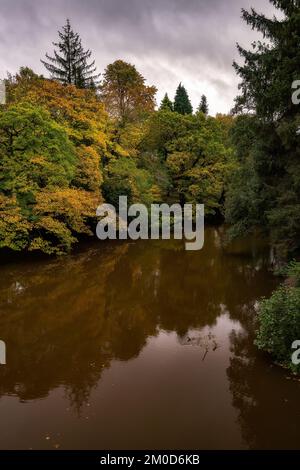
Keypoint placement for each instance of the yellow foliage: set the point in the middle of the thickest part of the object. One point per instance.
(73, 206)
(14, 228)
(88, 174)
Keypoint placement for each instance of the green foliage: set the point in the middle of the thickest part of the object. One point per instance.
(245, 202)
(268, 174)
(166, 104)
(50, 159)
(156, 167)
(291, 271)
(164, 126)
(36, 157)
(182, 104)
(270, 67)
(35, 152)
(61, 155)
(195, 156)
(70, 65)
(279, 325)
(279, 318)
(123, 178)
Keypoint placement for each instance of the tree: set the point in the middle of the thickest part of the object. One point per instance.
(35, 152)
(125, 94)
(166, 104)
(36, 158)
(182, 104)
(271, 160)
(199, 162)
(194, 150)
(203, 106)
(70, 65)
(52, 154)
(18, 85)
(123, 178)
(269, 69)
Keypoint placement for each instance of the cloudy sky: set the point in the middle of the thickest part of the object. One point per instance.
(192, 41)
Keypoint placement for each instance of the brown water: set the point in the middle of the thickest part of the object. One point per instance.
(141, 345)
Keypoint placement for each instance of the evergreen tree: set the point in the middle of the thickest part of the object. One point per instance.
(270, 69)
(166, 104)
(182, 104)
(203, 106)
(70, 65)
(269, 166)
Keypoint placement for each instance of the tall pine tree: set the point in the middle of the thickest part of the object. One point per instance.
(166, 104)
(182, 104)
(266, 188)
(270, 68)
(203, 106)
(70, 64)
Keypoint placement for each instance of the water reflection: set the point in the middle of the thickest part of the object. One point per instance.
(266, 398)
(67, 321)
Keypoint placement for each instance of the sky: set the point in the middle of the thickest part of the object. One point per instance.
(169, 41)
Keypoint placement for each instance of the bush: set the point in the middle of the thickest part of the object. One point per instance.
(292, 272)
(279, 322)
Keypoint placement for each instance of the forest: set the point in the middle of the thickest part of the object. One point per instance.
(63, 153)
(69, 142)
(78, 138)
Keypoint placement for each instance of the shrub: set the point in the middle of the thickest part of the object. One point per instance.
(279, 322)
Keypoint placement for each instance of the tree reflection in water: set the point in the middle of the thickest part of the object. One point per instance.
(64, 321)
(267, 398)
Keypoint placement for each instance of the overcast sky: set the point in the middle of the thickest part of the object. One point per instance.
(192, 41)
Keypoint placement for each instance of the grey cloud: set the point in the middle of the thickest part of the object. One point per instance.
(192, 41)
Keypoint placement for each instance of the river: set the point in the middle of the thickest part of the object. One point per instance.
(142, 345)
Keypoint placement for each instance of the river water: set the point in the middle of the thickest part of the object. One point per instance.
(142, 345)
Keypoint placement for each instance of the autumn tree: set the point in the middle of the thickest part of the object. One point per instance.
(182, 104)
(104, 166)
(124, 92)
(70, 63)
(59, 210)
(35, 156)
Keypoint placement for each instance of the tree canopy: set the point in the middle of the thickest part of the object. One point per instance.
(265, 189)
(124, 92)
(64, 150)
